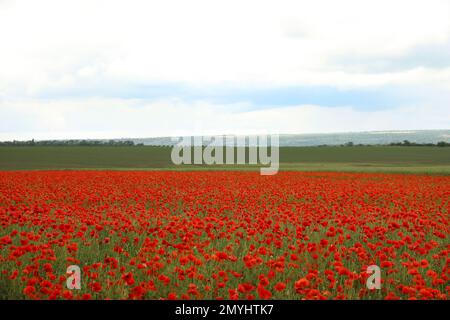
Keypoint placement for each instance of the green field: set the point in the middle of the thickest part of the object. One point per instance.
(433, 160)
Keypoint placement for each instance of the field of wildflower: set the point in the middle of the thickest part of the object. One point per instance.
(223, 235)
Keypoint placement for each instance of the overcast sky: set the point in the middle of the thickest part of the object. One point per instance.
(111, 69)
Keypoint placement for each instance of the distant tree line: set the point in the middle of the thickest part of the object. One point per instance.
(70, 143)
(404, 143)
(32, 142)
(409, 144)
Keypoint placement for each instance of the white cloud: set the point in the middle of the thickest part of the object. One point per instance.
(54, 47)
(108, 118)
(46, 43)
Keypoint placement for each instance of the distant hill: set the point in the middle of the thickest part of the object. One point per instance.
(366, 138)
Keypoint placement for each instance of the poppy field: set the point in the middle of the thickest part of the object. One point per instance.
(223, 235)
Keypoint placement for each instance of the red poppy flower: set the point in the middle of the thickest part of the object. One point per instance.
(280, 286)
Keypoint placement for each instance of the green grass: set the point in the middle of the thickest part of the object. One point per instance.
(431, 160)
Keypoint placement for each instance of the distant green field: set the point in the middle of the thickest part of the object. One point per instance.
(432, 160)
